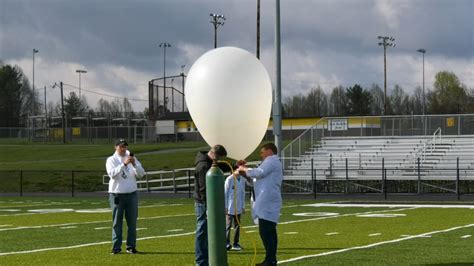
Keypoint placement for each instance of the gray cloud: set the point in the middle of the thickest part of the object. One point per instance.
(324, 42)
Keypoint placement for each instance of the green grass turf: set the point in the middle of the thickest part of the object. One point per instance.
(47, 167)
(157, 156)
(298, 235)
(92, 157)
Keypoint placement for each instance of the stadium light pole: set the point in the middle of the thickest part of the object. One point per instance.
(277, 93)
(217, 20)
(80, 71)
(35, 51)
(423, 51)
(386, 41)
(182, 86)
(164, 45)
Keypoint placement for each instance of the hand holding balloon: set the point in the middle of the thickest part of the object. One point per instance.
(242, 170)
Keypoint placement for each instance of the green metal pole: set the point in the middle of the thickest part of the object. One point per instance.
(216, 216)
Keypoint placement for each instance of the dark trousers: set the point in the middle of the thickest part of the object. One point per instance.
(268, 234)
(232, 219)
(200, 245)
(124, 204)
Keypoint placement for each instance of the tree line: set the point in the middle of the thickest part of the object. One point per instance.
(17, 102)
(449, 96)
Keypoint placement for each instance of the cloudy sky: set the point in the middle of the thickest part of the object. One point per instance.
(323, 42)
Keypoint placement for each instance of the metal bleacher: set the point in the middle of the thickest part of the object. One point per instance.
(433, 157)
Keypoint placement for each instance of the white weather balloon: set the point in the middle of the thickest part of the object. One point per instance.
(229, 96)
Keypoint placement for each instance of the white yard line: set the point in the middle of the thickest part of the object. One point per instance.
(252, 231)
(375, 244)
(175, 230)
(332, 233)
(334, 216)
(375, 234)
(92, 222)
(412, 235)
(68, 227)
(89, 244)
(147, 206)
(20, 214)
(36, 205)
(363, 205)
(166, 216)
(466, 236)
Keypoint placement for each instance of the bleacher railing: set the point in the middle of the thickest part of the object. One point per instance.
(371, 126)
(428, 144)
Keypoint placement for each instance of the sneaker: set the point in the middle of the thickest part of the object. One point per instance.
(228, 246)
(237, 247)
(266, 263)
(132, 251)
(115, 251)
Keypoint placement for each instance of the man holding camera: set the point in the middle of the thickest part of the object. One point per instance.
(123, 169)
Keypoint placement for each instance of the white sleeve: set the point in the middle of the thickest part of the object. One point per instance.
(112, 170)
(226, 191)
(260, 171)
(139, 171)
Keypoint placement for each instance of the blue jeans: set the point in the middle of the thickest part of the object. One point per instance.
(201, 250)
(124, 204)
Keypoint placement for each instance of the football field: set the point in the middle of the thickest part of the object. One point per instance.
(66, 231)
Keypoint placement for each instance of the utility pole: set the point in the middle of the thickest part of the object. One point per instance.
(386, 41)
(217, 20)
(45, 107)
(182, 87)
(277, 93)
(62, 112)
(258, 29)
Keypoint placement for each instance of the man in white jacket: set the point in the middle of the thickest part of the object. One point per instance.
(267, 179)
(123, 169)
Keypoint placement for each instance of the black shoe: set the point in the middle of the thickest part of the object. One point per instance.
(132, 251)
(228, 246)
(115, 251)
(266, 263)
(237, 247)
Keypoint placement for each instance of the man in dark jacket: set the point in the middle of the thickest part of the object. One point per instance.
(203, 163)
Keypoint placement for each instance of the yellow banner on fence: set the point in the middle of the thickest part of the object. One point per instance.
(76, 131)
(450, 121)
